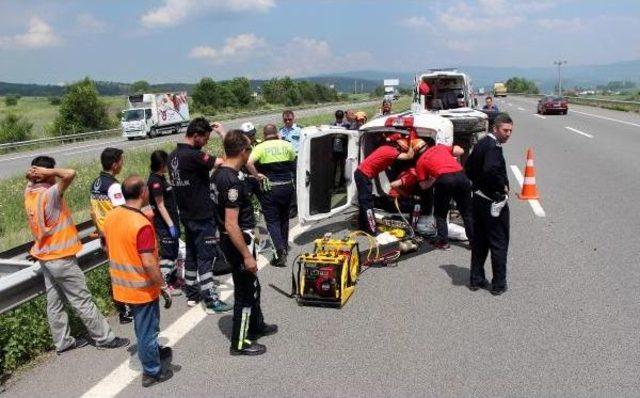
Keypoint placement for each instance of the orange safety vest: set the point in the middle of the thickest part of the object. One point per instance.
(131, 282)
(57, 240)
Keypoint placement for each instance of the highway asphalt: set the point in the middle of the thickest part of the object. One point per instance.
(16, 163)
(568, 326)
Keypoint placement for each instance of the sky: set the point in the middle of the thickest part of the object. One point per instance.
(184, 40)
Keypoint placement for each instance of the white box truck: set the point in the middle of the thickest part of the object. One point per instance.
(150, 115)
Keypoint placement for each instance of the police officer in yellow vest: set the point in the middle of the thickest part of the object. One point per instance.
(135, 275)
(273, 163)
(56, 244)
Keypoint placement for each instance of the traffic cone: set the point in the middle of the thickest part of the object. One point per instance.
(529, 188)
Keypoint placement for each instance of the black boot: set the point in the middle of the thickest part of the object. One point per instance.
(280, 259)
(248, 348)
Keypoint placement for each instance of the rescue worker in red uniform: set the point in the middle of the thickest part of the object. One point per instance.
(392, 149)
(439, 168)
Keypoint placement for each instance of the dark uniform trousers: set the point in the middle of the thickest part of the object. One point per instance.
(366, 217)
(169, 248)
(200, 241)
(275, 205)
(247, 313)
(458, 187)
(490, 233)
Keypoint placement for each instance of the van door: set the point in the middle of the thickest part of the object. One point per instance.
(327, 158)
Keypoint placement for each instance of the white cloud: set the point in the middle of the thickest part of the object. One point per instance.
(462, 18)
(39, 34)
(236, 47)
(573, 24)
(303, 56)
(175, 12)
(90, 23)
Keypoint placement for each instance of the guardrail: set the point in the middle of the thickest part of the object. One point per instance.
(61, 139)
(21, 279)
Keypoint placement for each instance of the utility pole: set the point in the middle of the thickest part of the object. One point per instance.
(559, 64)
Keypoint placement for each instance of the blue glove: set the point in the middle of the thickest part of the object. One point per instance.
(174, 232)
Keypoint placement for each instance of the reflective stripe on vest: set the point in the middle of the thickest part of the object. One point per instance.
(44, 249)
(131, 282)
(60, 240)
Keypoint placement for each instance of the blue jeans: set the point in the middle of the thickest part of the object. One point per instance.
(146, 322)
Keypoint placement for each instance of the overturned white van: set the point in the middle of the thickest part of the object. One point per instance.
(318, 197)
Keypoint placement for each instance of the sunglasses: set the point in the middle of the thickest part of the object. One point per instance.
(287, 119)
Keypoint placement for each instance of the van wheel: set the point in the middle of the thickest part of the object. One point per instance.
(152, 133)
(131, 138)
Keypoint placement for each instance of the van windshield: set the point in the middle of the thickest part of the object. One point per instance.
(133, 115)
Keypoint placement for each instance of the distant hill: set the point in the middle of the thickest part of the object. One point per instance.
(584, 76)
(545, 77)
(341, 84)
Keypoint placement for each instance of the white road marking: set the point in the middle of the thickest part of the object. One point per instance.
(540, 116)
(535, 204)
(579, 132)
(607, 118)
(129, 370)
(520, 108)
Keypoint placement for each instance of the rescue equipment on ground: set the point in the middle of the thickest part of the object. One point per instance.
(328, 276)
(529, 188)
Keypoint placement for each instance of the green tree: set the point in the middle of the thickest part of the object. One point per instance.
(204, 94)
(377, 92)
(11, 100)
(521, 85)
(81, 110)
(241, 89)
(14, 129)
(140, 87)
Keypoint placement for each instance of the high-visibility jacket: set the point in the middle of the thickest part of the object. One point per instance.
(131, 282)
(53, 240)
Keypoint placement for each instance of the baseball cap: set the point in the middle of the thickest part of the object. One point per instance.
(248, 129)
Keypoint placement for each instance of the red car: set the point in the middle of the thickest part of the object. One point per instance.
(550, 104)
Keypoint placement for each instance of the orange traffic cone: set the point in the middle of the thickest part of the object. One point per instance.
(529, 189)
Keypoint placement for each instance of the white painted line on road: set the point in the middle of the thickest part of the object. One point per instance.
(535, 204)
(520, 108)
(129, 370)
(540, 116)
(607, 118)
(579, 132)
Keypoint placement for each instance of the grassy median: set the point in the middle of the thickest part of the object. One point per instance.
(25, 332)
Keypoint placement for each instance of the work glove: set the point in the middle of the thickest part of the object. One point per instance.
(174, 232)
(166, 296)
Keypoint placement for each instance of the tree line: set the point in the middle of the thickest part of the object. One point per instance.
(521, 85)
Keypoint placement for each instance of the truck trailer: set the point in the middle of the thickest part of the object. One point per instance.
(150, 115)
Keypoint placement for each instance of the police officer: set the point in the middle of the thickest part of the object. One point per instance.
(272, 162)
(486, 168)
(165, 218)
(393, 148)
(189, 169)
(290, 131)
(106, 194)
(236, 219)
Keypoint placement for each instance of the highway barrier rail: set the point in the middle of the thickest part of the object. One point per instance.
(21, 278)
(92, 135)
